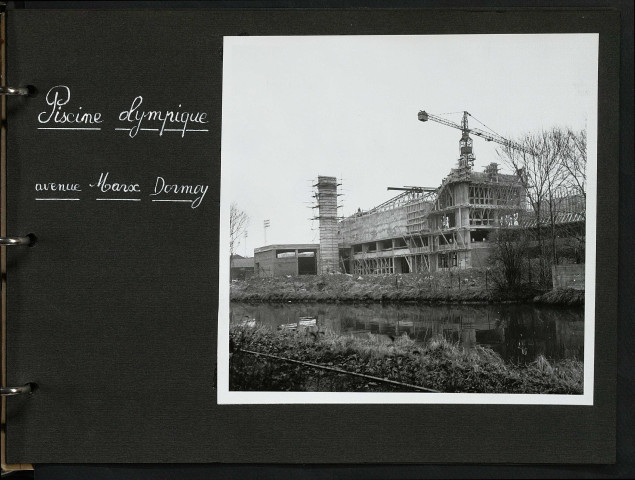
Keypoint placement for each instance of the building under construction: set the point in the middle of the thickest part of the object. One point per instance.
(428, 229)
(422, 229)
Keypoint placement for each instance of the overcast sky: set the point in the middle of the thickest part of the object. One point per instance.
(346, 106)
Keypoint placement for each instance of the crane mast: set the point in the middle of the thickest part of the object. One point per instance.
(466, 143)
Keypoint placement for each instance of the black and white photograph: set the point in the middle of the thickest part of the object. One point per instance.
(408, 219)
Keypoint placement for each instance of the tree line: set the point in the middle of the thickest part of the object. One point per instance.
(551, 166)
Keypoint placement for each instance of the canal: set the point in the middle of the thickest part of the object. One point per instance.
(518, 332)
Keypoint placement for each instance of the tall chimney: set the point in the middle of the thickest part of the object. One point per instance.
(327, 216)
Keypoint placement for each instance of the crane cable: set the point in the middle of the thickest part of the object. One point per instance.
(490, 129)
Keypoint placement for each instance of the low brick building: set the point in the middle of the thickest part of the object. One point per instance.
(241, 267)
(288, 259)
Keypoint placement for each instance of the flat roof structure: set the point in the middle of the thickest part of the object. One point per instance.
(287, 259)
(287, 246)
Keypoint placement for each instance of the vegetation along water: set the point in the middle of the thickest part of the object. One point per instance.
(488, 348)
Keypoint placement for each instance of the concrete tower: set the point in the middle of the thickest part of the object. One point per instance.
(326, 196)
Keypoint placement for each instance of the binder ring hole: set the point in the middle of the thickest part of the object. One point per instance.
(32, 239)
(32, 91)
(34, 386)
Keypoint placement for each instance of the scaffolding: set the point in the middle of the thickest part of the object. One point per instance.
(441, 225)
(326, 199)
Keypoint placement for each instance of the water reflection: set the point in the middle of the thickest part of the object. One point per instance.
(519, 333)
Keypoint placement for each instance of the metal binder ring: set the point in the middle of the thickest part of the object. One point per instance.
(14, 90)
(14, 241)
(10, 391)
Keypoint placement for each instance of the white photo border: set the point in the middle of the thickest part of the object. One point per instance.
(228, 397)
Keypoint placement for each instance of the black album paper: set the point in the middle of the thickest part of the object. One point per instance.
(120, 310)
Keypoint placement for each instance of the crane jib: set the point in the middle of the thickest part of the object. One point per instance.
(425, 116)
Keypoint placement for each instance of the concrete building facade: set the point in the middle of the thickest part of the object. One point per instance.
(425, 231)
(420, 230)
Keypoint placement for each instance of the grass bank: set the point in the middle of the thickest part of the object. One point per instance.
(562, 296)
(465, 286)
(437, 365)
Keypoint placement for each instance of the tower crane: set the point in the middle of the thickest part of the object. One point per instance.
(465, 144)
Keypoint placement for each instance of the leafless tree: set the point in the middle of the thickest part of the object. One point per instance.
(574, 161)
(238, 221)
(540, 168)
(509, 257)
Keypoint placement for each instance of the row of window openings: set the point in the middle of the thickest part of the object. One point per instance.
(420, 242)
(292, 253)
(444, 260)
(474, 237)
(387, 266)
(481, 196)
(482, 217)
(476, 217)
(381, 245)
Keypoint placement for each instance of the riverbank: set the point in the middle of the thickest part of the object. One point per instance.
(436, 365)
(464, 286)
(561, 296)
